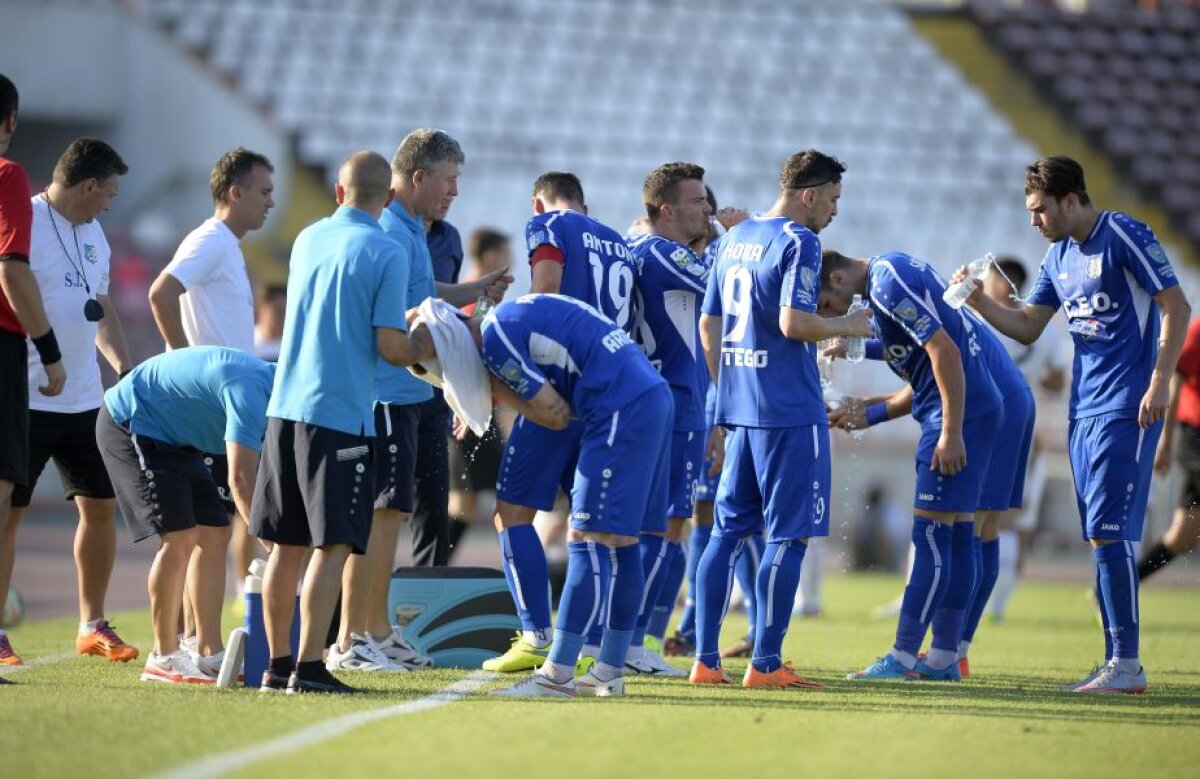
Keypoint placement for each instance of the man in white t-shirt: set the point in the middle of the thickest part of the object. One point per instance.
(204, 297)
(70, 258)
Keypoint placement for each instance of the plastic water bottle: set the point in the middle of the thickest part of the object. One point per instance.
(957, 294)
(856, 346)
(483, 304)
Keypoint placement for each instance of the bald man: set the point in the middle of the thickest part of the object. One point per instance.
(315, 484)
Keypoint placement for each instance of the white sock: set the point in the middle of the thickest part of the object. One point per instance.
(559, 674)
(539, 638)
(1128, 665)
(811, 575)
(904, 658)
(590, 650)
(963, 648)
(606, 673)
(88, 627)
(1006, 581)
(940, 659)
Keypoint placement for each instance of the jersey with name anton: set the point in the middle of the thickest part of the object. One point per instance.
(906, 299)
(592, 363)
(670, 282)
(597, 266)
(1106, 287)
(766, 379)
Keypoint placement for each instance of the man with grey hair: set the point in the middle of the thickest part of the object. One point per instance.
(408, 419)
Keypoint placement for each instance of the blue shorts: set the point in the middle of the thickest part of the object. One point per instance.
(1004, 482)
(624, 463)
(706, 486)
(1112, 460)
(687, 454)
(538, 462)
(774, 477)
(959, 493)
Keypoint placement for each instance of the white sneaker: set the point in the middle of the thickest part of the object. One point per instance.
(537, 686)
(590, 686)
(190, 643)
(362, 655)
(647, 662)
(1113, 681)
(177, 667)
(400, 652)
(1096, 671)
(211, 664)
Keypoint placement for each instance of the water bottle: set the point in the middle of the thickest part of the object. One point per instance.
(856, 346)
(957, 294)
(483, 304)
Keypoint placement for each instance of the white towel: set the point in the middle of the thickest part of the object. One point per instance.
(457, 369)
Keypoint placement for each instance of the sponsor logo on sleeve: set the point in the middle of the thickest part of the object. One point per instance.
(513, 376)
(1155, 250)
(907, 310)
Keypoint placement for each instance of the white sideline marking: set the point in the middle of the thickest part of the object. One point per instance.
(325, 730)
(37, 661)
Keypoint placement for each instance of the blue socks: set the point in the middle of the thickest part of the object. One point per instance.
(1119, 594)
(950, 613)
(582, 603)
(655, 562)
(714, 580)
(987, 554)
(925, 589)
(528, 580)
(778, 578)
(697, 543)
(748, 564)
(1108, 642)
(624, 597)
(673, 580)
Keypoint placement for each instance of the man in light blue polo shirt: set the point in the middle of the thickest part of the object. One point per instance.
(410, 423)
(346, 293)
(154, 429)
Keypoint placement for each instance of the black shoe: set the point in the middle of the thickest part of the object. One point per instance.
(273, 682)
(327, 683)
(4, 681)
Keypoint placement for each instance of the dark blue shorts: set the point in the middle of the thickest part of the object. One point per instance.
(1112, 459)
(1004, 482)
(961, 492)
(687, 456)
(537, 463)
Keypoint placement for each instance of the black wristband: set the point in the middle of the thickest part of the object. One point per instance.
(47, 346)
(124, 373)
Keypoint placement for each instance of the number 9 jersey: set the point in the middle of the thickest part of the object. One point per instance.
(597, 266)
(766, 379)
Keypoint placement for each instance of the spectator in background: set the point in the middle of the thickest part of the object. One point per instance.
(204, 297)
(475, 460)
(270, 307)
(21, 313)
(70, 256)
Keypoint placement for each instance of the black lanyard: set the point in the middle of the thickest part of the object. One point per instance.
(92, 310)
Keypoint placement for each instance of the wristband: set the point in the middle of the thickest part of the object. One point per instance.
(47, 346)
(876, 413)
(123, 374)
(873, 349)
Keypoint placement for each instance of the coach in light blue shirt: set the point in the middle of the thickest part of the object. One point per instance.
(393, 384)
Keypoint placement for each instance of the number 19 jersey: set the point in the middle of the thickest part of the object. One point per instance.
(597, 266)
(766, 379)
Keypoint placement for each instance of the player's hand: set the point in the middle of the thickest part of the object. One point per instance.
(858, 324)
(950, 455)
(495, 284)
(459, 428)
(714, 451)
(729, 216)
(56, 379)
(849, 414)
(835, 349)
(1162, 455)
(1153, 407)
(960, 274)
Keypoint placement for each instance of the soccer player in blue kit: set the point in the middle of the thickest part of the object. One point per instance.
(574, 255)
(947, 359)
(670, 282)
(759, 329)
(1128, 319)
(559, 362)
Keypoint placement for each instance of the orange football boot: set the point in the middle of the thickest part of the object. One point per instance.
(783, 676)
(104, 642)
(7, 655)
(702, 674)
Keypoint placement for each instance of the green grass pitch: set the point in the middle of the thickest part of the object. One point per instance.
(82, 716)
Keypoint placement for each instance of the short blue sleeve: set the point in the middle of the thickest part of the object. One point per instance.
(246, 411)
(801, 270)
(391, 297)
(902, 301)
(506, 355)
(538, 232)
(1143, 255)
(1043, 292)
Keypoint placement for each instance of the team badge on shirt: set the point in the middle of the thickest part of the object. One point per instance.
(1095, 265)
(537, 238)
(511, 372)
(906, 310)
(91, 255)
(808, 279)
(1157, 254)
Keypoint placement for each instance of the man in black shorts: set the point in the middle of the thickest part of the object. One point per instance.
(154, 429)
(316, 486)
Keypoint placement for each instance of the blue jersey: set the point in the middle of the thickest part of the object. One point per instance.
(597, 267)
(906, 298)
(1106, 286)
(670, 282)
(591, 362)
(200, 397)
(766, 379)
